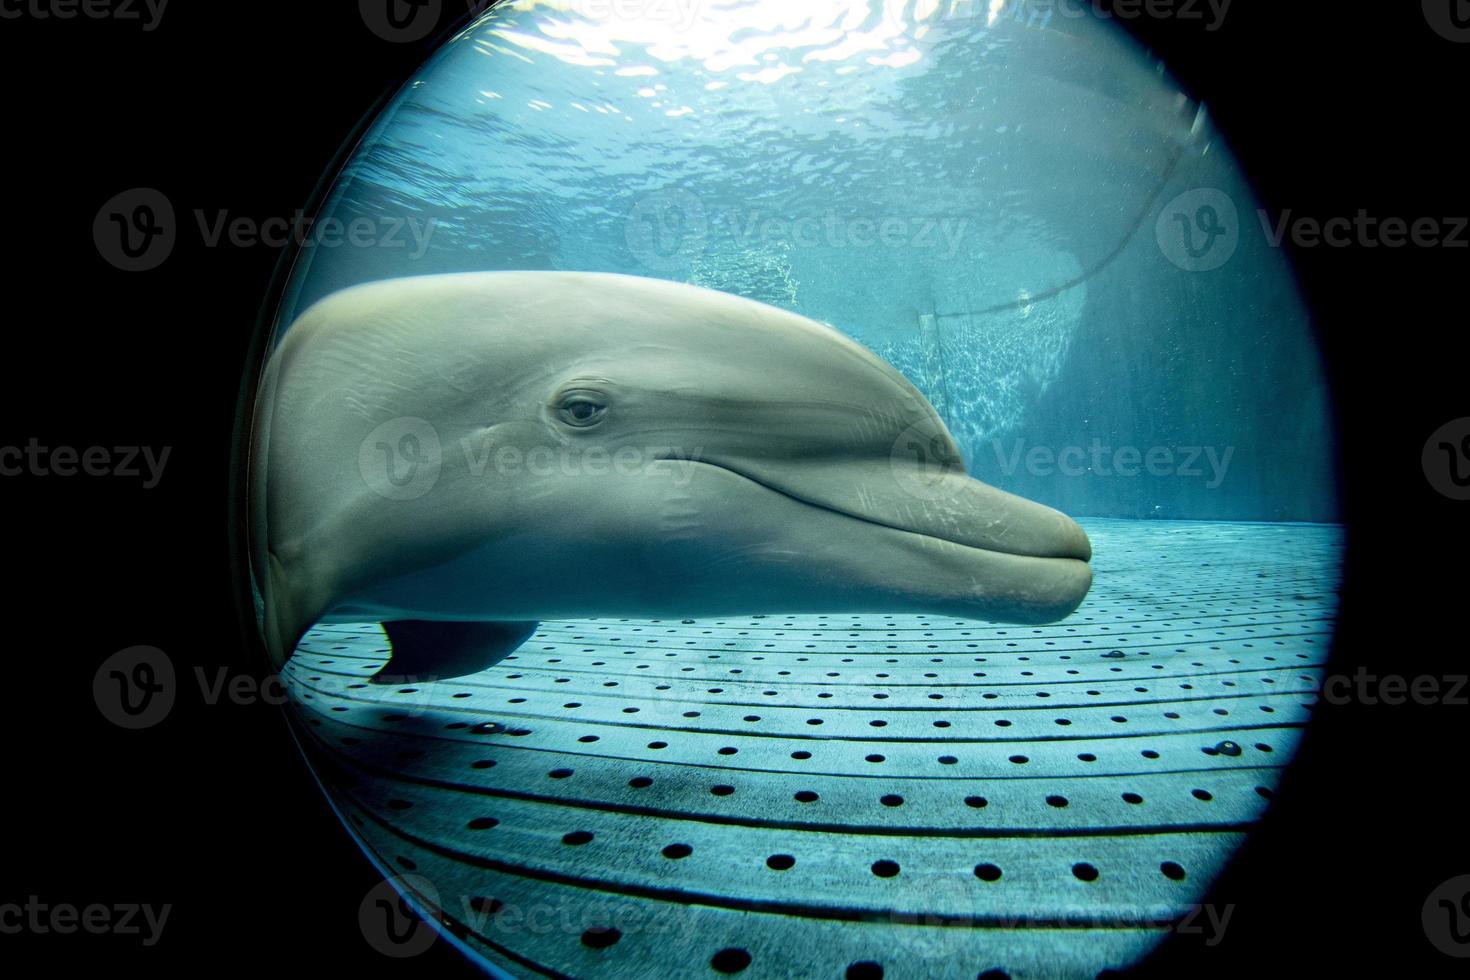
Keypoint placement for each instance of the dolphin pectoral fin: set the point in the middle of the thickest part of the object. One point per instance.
(428, 651)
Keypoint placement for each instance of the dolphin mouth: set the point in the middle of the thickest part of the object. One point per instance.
(949, 507)
(983, 551)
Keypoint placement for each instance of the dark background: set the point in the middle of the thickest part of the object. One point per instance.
(1330, 108)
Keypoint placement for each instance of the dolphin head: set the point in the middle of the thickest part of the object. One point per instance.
(518, 446)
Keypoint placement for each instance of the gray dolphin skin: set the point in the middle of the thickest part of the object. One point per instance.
(461, 456)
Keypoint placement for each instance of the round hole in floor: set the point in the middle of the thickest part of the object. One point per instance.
(731, 960)
(600, 937)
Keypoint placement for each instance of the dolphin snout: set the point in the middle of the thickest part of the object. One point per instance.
(1047, 591)
(1026, 562)
(1070, 541)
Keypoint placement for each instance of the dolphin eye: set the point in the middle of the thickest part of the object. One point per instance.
(582, 408)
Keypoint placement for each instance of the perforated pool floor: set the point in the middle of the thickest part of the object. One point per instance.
(859, 796)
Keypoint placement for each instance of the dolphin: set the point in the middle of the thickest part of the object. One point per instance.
(460, 456)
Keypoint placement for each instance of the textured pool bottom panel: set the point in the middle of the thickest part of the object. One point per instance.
(861, 796)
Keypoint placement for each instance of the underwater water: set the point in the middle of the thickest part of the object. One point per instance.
(1018, 209)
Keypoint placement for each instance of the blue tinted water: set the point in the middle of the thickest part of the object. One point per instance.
(1002, 199)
